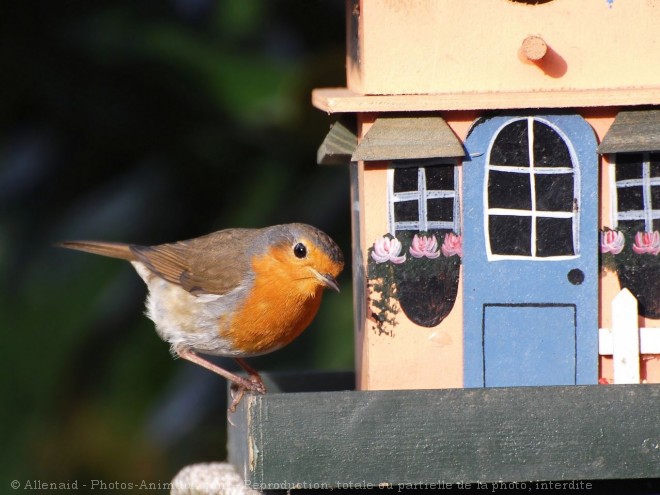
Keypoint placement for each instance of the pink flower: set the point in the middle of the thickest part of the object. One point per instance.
(386, 249)
(452, 245)
(611, 241)
(424, 246)
(647, 242)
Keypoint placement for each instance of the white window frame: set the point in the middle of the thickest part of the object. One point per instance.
(421, 195)
(647, 214)
(532, 171)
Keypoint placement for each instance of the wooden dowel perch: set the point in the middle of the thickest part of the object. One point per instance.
(533, 48)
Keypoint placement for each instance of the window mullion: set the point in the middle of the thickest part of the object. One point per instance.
(532, 183)
(421, 187)
(646, 192)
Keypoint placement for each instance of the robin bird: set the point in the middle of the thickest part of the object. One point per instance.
(236, 292)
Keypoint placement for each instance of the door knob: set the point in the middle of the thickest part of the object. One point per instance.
(575, 276)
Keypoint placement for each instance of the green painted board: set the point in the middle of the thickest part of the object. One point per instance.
(595, 432)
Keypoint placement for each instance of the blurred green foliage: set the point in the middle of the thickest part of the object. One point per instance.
(147, 122)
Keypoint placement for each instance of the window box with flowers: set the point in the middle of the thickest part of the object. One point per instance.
(410, 272)
(634, 256)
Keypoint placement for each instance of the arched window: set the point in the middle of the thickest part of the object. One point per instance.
(530, 190)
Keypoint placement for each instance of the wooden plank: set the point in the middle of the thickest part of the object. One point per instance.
(308, 381)
(454, 435)
(397, 137)
(631, 131)
(338, 100)
(338, 146)
(625, 337)
(240, 444)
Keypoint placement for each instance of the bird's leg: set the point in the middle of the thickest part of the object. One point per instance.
(239, 381)
(254, 377)
(237, 392)
(239, 384)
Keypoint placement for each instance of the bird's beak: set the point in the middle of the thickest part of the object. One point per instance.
(327, 280)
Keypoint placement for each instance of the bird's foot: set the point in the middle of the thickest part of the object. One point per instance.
(253, 383)
(236, 392)
(257, 384)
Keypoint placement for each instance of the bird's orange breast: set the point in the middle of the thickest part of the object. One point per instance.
(276, 310)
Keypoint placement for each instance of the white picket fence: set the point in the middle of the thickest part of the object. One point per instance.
(625, 341)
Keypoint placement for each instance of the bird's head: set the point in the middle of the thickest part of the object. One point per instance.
(309, 255)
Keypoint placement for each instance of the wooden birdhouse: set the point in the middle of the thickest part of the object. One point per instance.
(494, 144)
(505, 177)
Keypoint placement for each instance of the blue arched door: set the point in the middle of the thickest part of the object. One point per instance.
(530, 243)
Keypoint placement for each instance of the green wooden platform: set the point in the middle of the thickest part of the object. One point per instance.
(335, 437)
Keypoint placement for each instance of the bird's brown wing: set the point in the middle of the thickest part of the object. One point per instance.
(213, 264)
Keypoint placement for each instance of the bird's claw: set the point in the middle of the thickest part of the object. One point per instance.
(257, 384)
(236, 392)
(252, 384)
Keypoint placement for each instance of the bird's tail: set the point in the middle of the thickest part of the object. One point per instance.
(110, 249)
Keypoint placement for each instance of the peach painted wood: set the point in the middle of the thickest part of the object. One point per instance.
(342, 100)
(472, 46)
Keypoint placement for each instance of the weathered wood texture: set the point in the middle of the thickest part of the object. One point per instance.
(338, 145)
(633, 130)
(454, 435)
(338, 100)
(399, 137)
(241, 437)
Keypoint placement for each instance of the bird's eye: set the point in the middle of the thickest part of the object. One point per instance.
(300, 250)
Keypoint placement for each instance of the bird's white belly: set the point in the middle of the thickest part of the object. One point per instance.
(185, 320)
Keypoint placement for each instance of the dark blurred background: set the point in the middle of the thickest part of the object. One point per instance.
(147, 122)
